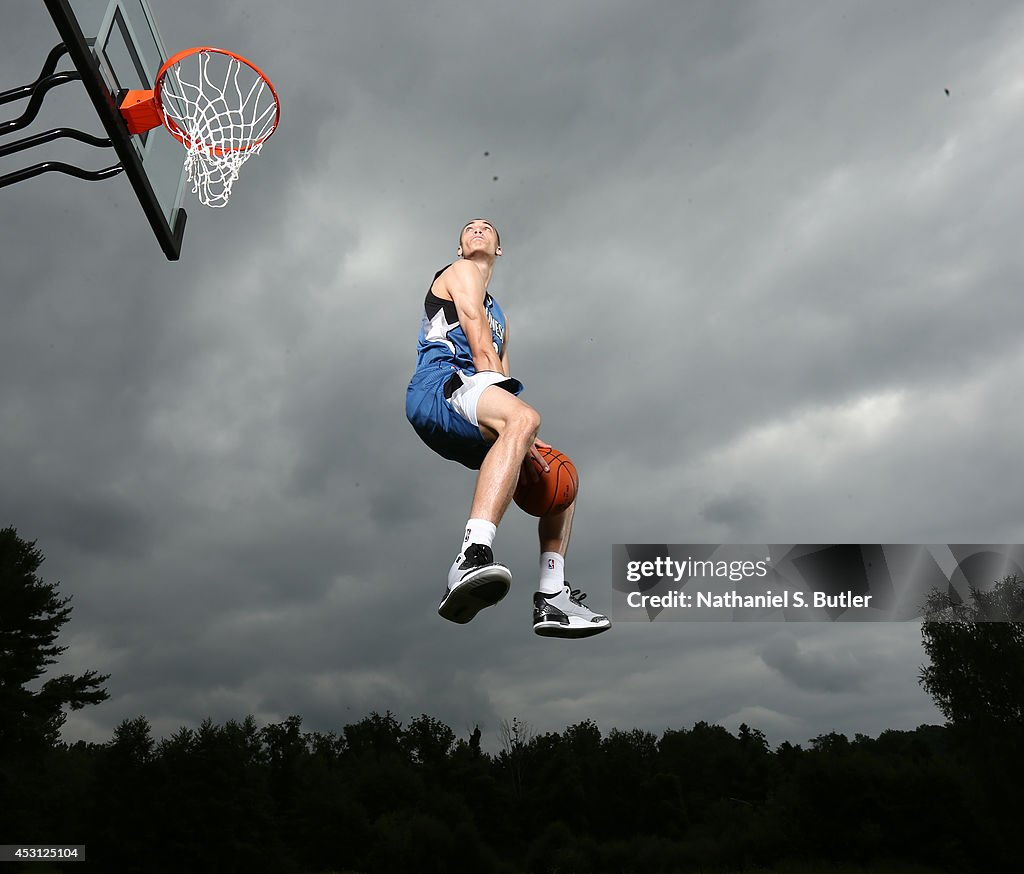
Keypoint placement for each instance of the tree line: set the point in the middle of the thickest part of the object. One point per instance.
(382, 794)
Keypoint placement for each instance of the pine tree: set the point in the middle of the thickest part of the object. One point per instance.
(31, 616)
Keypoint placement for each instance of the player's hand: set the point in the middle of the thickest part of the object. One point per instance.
(534, 462)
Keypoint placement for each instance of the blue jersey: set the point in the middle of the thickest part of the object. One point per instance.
(444, 364)
(442, 340)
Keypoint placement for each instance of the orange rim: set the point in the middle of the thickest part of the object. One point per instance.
(173, 126)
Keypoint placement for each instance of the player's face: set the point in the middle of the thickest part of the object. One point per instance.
(479, 236)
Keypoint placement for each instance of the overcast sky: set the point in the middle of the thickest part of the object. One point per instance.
(764, 283)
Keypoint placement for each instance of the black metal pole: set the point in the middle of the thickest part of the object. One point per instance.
(56, 53)
(39, 91)
(59, 167)
(51, 135)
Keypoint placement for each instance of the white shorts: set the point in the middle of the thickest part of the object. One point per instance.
(465, 398)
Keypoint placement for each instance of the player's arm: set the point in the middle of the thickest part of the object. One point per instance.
(504, 352)
(466, 287)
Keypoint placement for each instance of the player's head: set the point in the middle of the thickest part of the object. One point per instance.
(479, 235)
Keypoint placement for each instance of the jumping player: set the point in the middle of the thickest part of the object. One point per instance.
(464, 404)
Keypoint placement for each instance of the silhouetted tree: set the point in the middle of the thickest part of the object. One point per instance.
(515, 738)
(31, 616)
(976, 648)
(133, 743)
(428, 741)
(976, 677)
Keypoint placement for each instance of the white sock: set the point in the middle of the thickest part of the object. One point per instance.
(552, 573)
(479, 531)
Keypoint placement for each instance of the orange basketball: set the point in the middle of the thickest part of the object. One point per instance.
(554, 491)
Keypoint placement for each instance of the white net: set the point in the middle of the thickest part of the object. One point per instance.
(223, 110)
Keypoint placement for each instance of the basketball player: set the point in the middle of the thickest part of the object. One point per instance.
(464, 404)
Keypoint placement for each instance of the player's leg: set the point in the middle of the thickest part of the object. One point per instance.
(555, 529)
(475, 579)
(558, 609)
(513, 426)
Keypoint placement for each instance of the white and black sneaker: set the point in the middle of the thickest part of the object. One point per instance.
(563, 615)
(475, 581)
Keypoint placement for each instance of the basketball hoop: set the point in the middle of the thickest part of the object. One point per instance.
(218, 105)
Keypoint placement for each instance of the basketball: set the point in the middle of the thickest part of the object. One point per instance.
(554, 491)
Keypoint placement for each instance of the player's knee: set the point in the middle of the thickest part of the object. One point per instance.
(528, 423)
(520, 423)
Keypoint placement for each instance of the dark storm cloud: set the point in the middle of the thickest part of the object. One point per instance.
(815, 672)
(737, 511)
